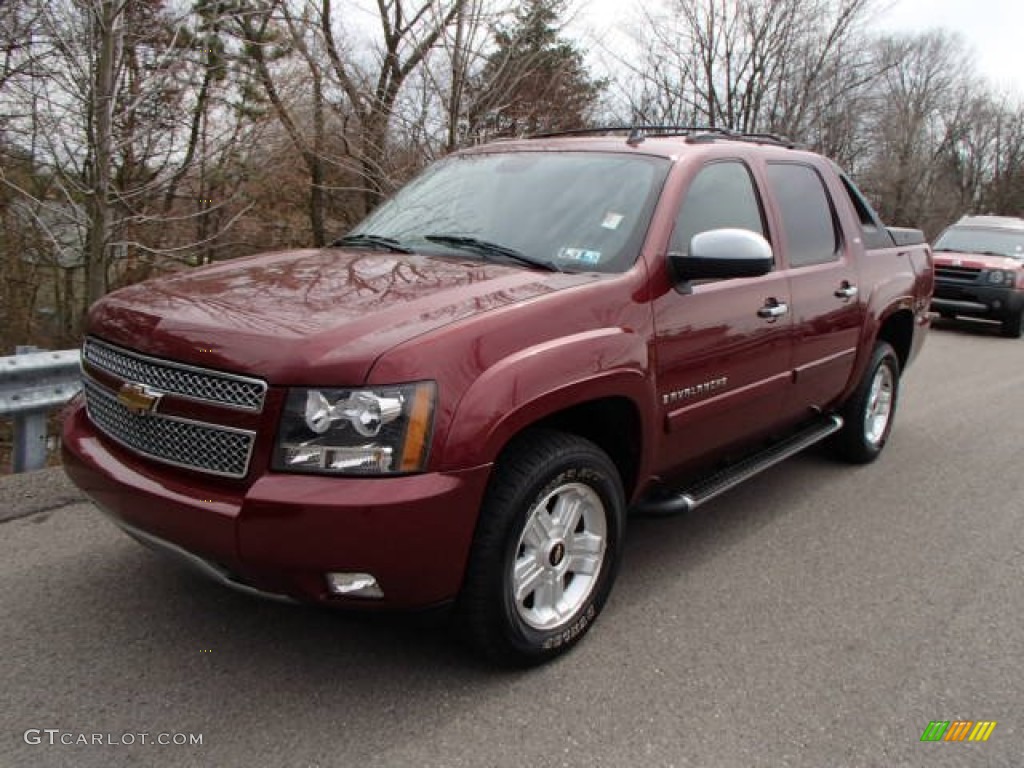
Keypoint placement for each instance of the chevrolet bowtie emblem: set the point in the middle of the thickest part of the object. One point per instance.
(137, 398)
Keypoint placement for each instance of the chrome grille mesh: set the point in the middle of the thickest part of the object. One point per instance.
(178, 379)
(208, 448)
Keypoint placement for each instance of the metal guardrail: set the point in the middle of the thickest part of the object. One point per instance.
(33, 383)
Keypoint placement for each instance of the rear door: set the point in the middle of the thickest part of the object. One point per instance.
(827, 305)
(723, 347)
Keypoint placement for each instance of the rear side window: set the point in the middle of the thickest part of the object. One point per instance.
(875, 235)
(722, 195)
(806, 214)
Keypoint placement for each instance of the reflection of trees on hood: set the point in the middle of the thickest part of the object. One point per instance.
(308, 287)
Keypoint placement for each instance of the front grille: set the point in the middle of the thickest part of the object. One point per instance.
(953, 292)
(957, 273)
(177, 378)
(171, 440)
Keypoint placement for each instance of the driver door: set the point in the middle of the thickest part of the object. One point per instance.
(724, 347)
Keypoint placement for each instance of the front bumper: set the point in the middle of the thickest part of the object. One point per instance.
(971, 300)
(282, 533)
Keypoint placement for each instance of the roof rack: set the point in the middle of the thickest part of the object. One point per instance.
(695, 134)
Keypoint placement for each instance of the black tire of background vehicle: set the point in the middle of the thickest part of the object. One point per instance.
(852, 442)
(532, 467)
(1013, 326)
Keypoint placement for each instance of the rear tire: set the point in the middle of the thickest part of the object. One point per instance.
(546, 549)
(1012, 326)
(868, 414)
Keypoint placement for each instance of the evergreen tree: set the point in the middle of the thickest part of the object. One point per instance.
(535, 80)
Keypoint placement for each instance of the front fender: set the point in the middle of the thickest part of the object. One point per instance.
(539, 381)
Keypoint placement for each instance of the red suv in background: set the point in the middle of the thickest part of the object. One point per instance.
(979, 271)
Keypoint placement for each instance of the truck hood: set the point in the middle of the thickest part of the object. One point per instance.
(309, 316)
(975, 260)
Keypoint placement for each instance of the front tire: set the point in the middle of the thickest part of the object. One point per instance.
(546, 548)
(868, 414)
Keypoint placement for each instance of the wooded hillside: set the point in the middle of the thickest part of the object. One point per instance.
(138, 136)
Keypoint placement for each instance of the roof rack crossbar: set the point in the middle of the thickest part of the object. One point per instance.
(637, 133)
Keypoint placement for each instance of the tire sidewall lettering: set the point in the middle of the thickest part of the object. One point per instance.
(567, 634)
(573, 631)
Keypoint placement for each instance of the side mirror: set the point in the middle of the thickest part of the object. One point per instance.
(723, 253)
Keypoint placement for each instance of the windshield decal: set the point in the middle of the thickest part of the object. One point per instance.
(581, 255)
(612, 220)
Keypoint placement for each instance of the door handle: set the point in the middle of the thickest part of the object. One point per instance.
(847, 291)
(772, 310)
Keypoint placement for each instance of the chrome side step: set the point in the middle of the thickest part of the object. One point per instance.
(721, 481)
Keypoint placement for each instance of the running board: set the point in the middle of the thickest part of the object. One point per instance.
(718, 483)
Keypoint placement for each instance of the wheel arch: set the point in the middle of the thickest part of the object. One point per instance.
(612, 423)
(898, 330)
(595, 385)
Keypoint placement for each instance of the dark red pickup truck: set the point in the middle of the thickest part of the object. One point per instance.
(458, 402)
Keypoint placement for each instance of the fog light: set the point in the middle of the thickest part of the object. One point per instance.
(354, 585)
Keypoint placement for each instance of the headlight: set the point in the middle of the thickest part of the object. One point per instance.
(371, 431)
(998, 277)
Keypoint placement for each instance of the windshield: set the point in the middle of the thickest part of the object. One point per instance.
(577, 211)
(1000, 242)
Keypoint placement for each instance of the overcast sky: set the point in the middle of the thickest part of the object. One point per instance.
(993, 29)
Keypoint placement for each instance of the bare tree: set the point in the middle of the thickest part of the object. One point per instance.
(1003, 188)
(408, 33)
(924, 102)
(272, 31)
(19, 52)
(466, 46)
(780, 66)
(136, 133)
(114, 116)
(359, 95)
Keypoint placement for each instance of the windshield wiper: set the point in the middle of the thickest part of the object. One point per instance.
(373, 241)
(488, 248)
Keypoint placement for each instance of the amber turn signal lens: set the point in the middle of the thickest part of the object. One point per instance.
(417, 437)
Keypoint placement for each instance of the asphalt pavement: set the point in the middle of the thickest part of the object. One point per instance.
(819, 615)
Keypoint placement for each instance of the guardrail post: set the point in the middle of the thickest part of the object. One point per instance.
(29, 433)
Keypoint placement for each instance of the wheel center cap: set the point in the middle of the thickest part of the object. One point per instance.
(556, 554)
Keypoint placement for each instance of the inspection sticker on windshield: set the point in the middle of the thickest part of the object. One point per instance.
(580, 254)
(612, 220)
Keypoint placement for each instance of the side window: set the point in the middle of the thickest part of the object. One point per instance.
(722, 195)
(806, 213)
(875, 235)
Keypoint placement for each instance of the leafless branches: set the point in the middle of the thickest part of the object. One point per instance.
(135, 136)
